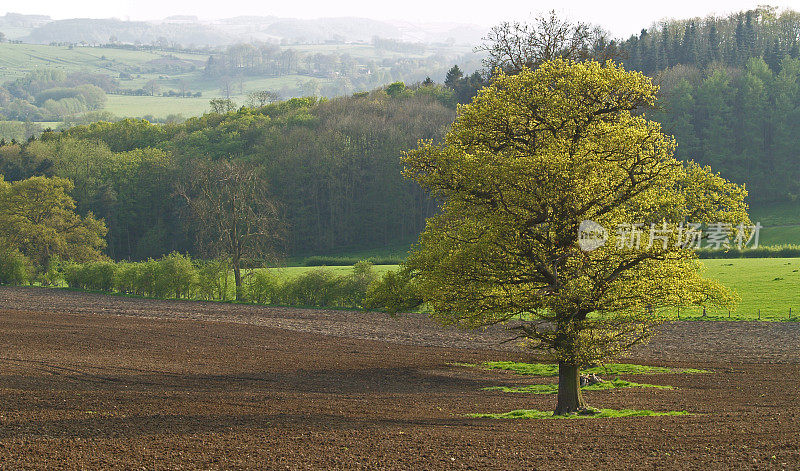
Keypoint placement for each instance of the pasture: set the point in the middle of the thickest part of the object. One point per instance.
(17, 60)
(781, 222)
(157, 106)
(771, 285)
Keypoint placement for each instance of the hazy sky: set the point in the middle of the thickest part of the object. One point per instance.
(622, 17)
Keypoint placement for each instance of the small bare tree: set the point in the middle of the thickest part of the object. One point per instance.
(152, 87)
(232, 213)
(514, 45)
(222, 105)
(261, 98)
(226, 86)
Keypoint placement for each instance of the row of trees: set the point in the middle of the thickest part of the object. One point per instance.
(177, 276)
(742, 121)
(52, 95)
(731, 41)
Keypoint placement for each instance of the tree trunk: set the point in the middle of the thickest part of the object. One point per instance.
(570, 399)
(237, 279)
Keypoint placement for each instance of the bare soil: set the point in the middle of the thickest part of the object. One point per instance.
(95, 381)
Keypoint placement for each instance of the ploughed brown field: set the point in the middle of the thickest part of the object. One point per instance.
(99, 381)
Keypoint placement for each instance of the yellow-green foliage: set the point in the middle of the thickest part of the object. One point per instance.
(15, 269)
(178, 276)
(38, 218)
(94, 276)
(171, 276)
(214, 281)
(262, 287)
(526, 162)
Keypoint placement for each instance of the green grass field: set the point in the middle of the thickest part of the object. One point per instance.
(601, 414)
(551, 369)
(553, 388)
(291, 272)
(779, 235)
(398, 251)
(17, 60)
(771, 285)
(776, 214)
(160, 107)
(781, 222)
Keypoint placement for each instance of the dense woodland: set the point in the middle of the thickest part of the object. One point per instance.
(730, 93)
(727, 41)
(332, 166)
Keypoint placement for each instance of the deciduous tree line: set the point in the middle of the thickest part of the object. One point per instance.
(332, 169)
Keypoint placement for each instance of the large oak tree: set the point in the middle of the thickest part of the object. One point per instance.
(531, 158)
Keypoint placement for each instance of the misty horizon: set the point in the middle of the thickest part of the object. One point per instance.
(621, 18)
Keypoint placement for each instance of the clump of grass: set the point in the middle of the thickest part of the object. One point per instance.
(553, 388)
(547, 369)
(602, 413)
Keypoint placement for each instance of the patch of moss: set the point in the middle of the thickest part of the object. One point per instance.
(553, 388)
(549, 369)
(602, 413)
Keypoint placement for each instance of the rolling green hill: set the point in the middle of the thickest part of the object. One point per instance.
(179, 72)
(16, 60)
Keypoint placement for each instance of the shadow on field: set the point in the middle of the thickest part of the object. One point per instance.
(142, 425)
(329, 381)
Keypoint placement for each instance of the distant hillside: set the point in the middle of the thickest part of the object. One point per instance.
(331, 29)
(23, 21)
(15, 25)
(440, 32)
(186, 30)
(93, 31)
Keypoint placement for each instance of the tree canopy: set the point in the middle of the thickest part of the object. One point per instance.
(37, 217)
(530, 159)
